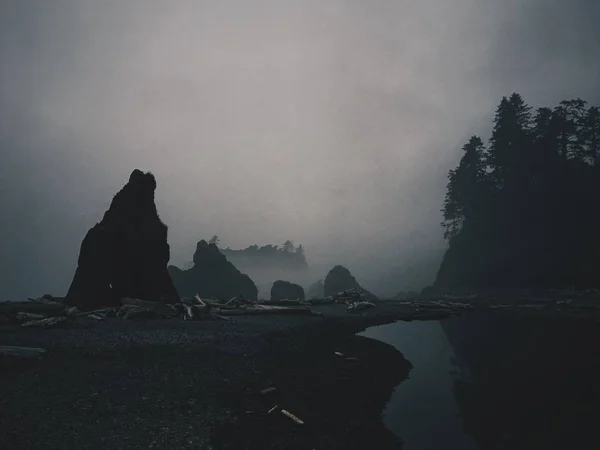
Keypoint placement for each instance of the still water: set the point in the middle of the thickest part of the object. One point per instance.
(496, 381)
(422, 410)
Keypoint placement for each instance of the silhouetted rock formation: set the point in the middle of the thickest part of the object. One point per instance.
(340, 279)
(212, 276)
(286, 290)
(126, 254)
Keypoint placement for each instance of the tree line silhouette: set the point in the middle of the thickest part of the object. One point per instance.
(287, 256)
(523, 210)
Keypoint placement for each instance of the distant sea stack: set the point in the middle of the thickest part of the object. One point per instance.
(126, 254)
(212, 276)
(316, 290)
(340, 279)
(285, 290)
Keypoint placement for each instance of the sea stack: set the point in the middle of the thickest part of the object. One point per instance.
(212, 276)
(126, 254)
(340, 279)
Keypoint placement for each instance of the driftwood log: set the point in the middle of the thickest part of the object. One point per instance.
(159, 308)
(267, 309)
(33, 307)
(50, 322)
(21, 352)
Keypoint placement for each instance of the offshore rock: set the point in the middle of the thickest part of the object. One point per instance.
(340, 279)
(126, 254)
(212, 276)
(285, 290)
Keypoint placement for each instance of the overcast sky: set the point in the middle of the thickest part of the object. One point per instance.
(329, 122)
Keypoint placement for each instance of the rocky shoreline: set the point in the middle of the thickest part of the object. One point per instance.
(170, 383)
(183, 384)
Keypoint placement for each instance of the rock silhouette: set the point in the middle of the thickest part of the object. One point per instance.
(212, 276)
(285, 290)
(340, 279)
(126, 254)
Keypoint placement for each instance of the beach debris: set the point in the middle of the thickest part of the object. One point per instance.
(135, 312)
(531, 306)
(354, 359)
(163, 309)
(267, 309)
(268, 390)
(21, 352)
(25, 317)
(286, 302)
(50, 322)
(45, 312)
(194, 312)
(72, 311)
(359, 306)
(291, 416)
(348, 296)
(32, 306)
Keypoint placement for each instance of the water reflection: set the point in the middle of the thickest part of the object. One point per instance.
(532, 382)
(423, 411)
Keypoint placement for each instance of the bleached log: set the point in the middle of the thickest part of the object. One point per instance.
(97, 312)
(51, 322)
(25, 317)
(135, 312)
(359, 306)
(291, 416)
(21, 352)
(199, 301)
(195, 312)
(284, 302)
(265, 309)
(159, 308)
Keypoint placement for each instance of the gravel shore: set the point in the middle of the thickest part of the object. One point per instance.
(173, 384)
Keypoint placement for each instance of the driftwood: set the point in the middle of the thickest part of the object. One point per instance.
(136, 312)
(291, 416)
(268, 390)
(284, 302)
(267, 309)
(321, 301)
(105, 312)
(194, 312)
(159, 308)
(72, 311)
(47, 298)
(50, 322)
(25, 317)
(359, 306)
(31, 307)
(21, 352)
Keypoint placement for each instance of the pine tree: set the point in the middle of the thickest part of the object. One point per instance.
(465, 188)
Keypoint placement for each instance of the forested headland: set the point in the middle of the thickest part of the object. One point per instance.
(523, 210)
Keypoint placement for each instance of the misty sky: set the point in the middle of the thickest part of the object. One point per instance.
(332, 123)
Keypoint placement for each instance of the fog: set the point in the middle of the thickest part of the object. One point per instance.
(332, 124)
